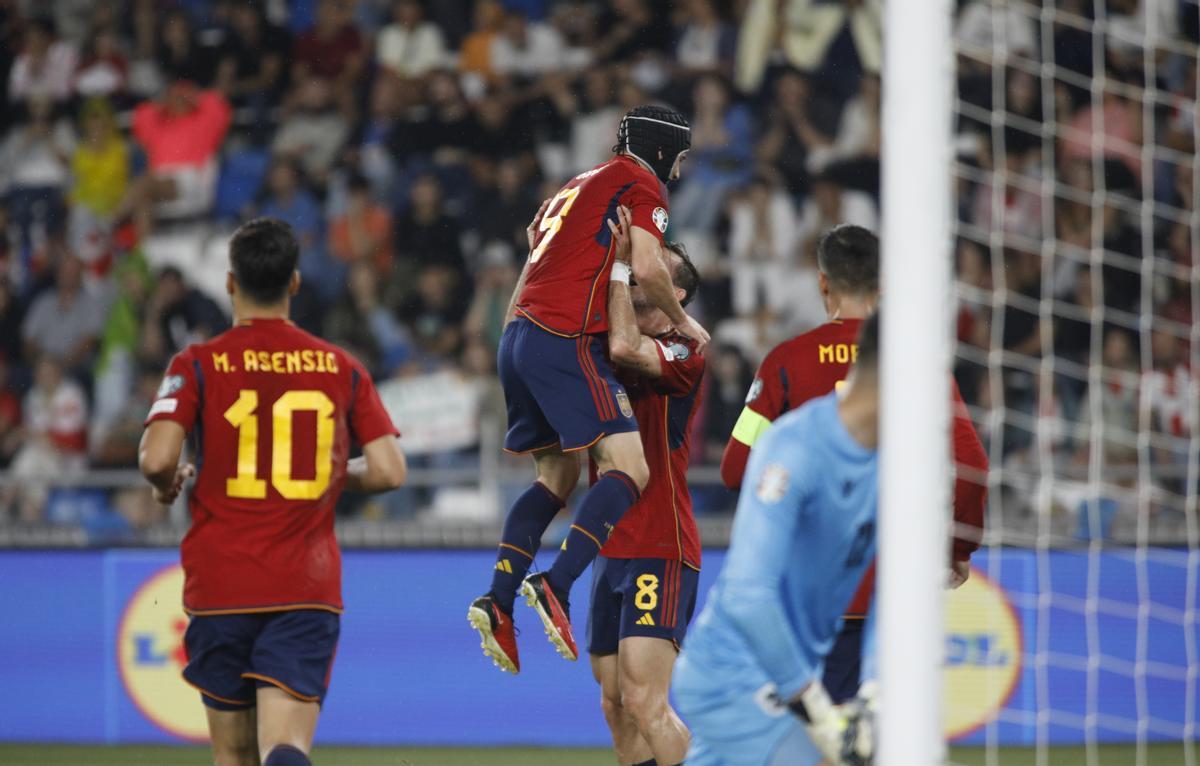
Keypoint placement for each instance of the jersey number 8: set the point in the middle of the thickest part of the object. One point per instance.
(242, 417)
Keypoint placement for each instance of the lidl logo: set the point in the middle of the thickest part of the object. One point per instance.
(983, 655)
(151, 656)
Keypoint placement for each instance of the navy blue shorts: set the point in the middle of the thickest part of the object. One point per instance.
(844, 662)
(639, 597)
(559, 391)
(232, 655)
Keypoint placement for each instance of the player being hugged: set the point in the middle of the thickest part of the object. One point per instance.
(272, 412)
(644, 581)
(748, 680)
(559, 386)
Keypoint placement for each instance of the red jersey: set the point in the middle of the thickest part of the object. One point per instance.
(661, 525)
(811, 365)
(566, 281)
(272, 410)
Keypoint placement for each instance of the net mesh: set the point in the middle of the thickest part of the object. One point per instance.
(1078, 350)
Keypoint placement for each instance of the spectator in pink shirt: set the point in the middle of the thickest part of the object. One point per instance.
(181, 135)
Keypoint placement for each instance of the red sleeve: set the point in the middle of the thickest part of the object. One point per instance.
(178, 397)
(682, 367)
(368, 418)
(733, 463)
(970, 482)
(766, 392)
(648, 207)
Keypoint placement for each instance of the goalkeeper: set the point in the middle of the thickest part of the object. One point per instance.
(749, 679)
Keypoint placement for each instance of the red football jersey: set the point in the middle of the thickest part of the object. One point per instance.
(811, 365)
(566, 284)
(661, 525)
(272, 411)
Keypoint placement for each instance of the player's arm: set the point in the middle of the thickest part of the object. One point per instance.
(654, 277)
(970, 490)
(158, 459)
(381, 467)
(763, 405)
(626, 344)
(530, 235)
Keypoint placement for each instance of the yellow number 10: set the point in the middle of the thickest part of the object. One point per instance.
(552, 223)
(241, 416)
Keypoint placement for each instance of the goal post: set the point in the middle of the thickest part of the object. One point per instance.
(914, 485)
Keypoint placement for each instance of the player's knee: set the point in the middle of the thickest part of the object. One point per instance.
(286, 755)
(637, 470)
(643, 703)
(559, 475)
(610, 704)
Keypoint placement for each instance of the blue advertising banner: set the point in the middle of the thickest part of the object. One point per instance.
(91, 651)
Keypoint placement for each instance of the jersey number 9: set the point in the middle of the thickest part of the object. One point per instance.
(561, 204)
(241, 416)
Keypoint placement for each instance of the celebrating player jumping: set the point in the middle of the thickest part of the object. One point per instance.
(748, 680)
(644, 581)
(812, 365)
(561, 393)
(272, 411)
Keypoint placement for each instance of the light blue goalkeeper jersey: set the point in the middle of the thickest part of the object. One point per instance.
(803, 536)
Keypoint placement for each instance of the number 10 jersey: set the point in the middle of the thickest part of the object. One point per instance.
(271, 411)
(566, 284)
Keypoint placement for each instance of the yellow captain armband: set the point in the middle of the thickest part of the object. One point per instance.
(750, 425)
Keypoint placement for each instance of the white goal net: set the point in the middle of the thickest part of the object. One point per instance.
(1077, 250)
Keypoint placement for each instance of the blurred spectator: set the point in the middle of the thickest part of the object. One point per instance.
(980, 19)
(425, 235)
(1116, 126)
(252, 60)
(503, 215)
(103, 69)
(494, 283)
(805, 31)
(181, 135)
(1118, 399)
(361, 323)
(762, 241)
(855, 150)
(55, 441)
(475, 55)
(434, 313)
(370, 151)
(795, 129)
(705, 44)
(364, 231)
(629, 29)
(729, 380)
(525, 49)
(720, 160)
(116, 445)
(45, 68)
(10, 417)
(120, 341)
(827, 206)
(100, 165)
(12, 316)
(314, 132)
(594, 119)
(63, 324)
(1167, 387)
(287, 199)
(177, 315)
(177, 55)
(332, 50)
(1010, 200)
(410, 46)
(35, 166)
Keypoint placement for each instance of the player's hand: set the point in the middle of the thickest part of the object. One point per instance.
(622, 241)
(827, 725)
(182, 474)
(960, 572)
(532, 229)
(858, 741)
(691, 328)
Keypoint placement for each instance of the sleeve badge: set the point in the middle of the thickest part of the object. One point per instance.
(755, 389)
(773, 483)
(659, 216)
(170, 385)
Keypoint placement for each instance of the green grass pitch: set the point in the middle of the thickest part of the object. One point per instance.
(100, 755)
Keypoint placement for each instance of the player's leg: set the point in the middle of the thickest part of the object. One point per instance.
(291, 665)
(644, 669)
(285, 727)
(234, 735)
(843, 664)
(629, 746)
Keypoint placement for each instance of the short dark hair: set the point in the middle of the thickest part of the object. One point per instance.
(868, 341)
(685, 275)
(263, 255)
(848, 256)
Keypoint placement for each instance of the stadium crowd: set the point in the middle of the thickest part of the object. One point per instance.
(408, 143)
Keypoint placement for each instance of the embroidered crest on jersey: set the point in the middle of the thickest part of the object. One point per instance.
(170, 385)
(755, 389)
(679, 352)
(773, 484)
(659, 216)
(623, 403)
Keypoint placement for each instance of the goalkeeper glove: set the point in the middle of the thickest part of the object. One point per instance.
(844, 734)
(858, 745)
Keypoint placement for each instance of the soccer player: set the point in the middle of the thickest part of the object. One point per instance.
(561, 393)
(812, 365)
(748, 680)
(272, 412)
(644, 581)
